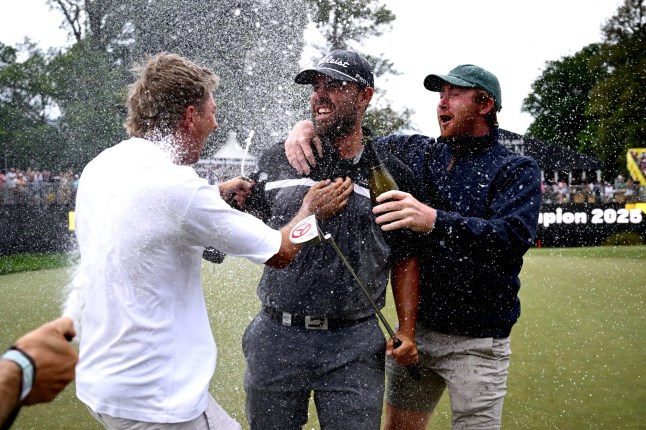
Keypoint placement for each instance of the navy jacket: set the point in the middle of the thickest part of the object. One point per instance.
(487, 199)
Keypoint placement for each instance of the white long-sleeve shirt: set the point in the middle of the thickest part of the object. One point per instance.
(147, 351)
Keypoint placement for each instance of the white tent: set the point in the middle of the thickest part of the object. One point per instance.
(229, 161)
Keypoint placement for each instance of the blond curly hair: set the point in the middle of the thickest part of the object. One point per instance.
(166, 84)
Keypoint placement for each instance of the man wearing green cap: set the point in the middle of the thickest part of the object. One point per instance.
(477, 216)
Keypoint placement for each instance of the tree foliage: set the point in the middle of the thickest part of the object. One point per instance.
(62, 108)
(342, 22)
(90, 91)
(595, 100)
(345, 24)
(559, 97)
(27, 135)
(253, 46)
(618, 102)
(385, 121)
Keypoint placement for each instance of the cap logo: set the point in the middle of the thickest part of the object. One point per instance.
(330, 59)
(361, 79)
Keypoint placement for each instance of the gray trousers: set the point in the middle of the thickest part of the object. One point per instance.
(213, 418)
(343, 367)
(474, 370)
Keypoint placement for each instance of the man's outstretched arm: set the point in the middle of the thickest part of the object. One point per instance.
(37, 367)
(299, 144)
(405, 284)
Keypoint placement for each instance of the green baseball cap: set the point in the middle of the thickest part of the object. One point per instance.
(468, 76)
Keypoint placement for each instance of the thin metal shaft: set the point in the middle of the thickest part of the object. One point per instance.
(390, 331)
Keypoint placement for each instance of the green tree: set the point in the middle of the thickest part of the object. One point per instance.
(559, 97)
(105, 21)
(384, 121)
(90, 94)
(253, 46)
(28, 134)
(618, 102)
(595, 100)
(344, 24)
(91, 76)
(343, 21)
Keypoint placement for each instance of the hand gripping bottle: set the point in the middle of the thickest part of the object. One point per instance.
(380, 179)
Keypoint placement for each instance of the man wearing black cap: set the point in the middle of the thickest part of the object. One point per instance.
(477, 215)
(317, 331)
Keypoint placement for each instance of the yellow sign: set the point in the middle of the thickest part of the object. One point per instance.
(71, 219)
(633, 167)
(641, 206)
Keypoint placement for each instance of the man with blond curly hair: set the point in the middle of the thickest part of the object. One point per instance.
(147, 352)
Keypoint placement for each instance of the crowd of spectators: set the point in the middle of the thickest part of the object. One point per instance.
(32, 186)
(44, 187)
(620, 190)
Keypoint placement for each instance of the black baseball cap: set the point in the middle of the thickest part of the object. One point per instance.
(341, 65)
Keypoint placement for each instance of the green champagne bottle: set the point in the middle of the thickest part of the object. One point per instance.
(380, 179)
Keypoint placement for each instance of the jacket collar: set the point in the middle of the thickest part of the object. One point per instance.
(467, 145)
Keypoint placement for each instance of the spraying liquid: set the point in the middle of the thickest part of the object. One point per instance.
(246, 151)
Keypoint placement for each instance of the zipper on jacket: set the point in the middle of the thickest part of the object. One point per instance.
(450, 166)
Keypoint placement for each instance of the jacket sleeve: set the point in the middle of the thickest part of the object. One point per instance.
(402, 146)
(508, 228)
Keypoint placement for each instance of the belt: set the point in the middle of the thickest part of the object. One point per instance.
(310, 322)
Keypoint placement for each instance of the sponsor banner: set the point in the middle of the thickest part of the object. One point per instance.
(588, 224)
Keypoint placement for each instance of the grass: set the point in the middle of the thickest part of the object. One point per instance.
(578, 351)
(17, 263)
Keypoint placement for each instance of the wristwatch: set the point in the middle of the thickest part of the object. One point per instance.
(26, 363)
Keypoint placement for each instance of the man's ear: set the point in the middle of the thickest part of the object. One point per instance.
(366, 95)
(188, 119)
(487, 105)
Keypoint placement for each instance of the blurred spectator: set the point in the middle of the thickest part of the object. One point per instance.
(38, 180)
(556, 192)
(32, 186)
(548, 194)
(564, 192)
(608, 193)
(631, 191)
(11, 179)
(211, 177)
(619, 182)
(21, 182)
(597, 192)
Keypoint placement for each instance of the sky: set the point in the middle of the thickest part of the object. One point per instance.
(511, 38)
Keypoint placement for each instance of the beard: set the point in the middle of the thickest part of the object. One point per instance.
(341, 126)
(464, 122)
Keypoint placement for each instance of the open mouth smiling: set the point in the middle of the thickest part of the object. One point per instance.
(322, 111)
(445, 119)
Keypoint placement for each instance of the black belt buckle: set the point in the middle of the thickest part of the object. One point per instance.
(316, 323)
